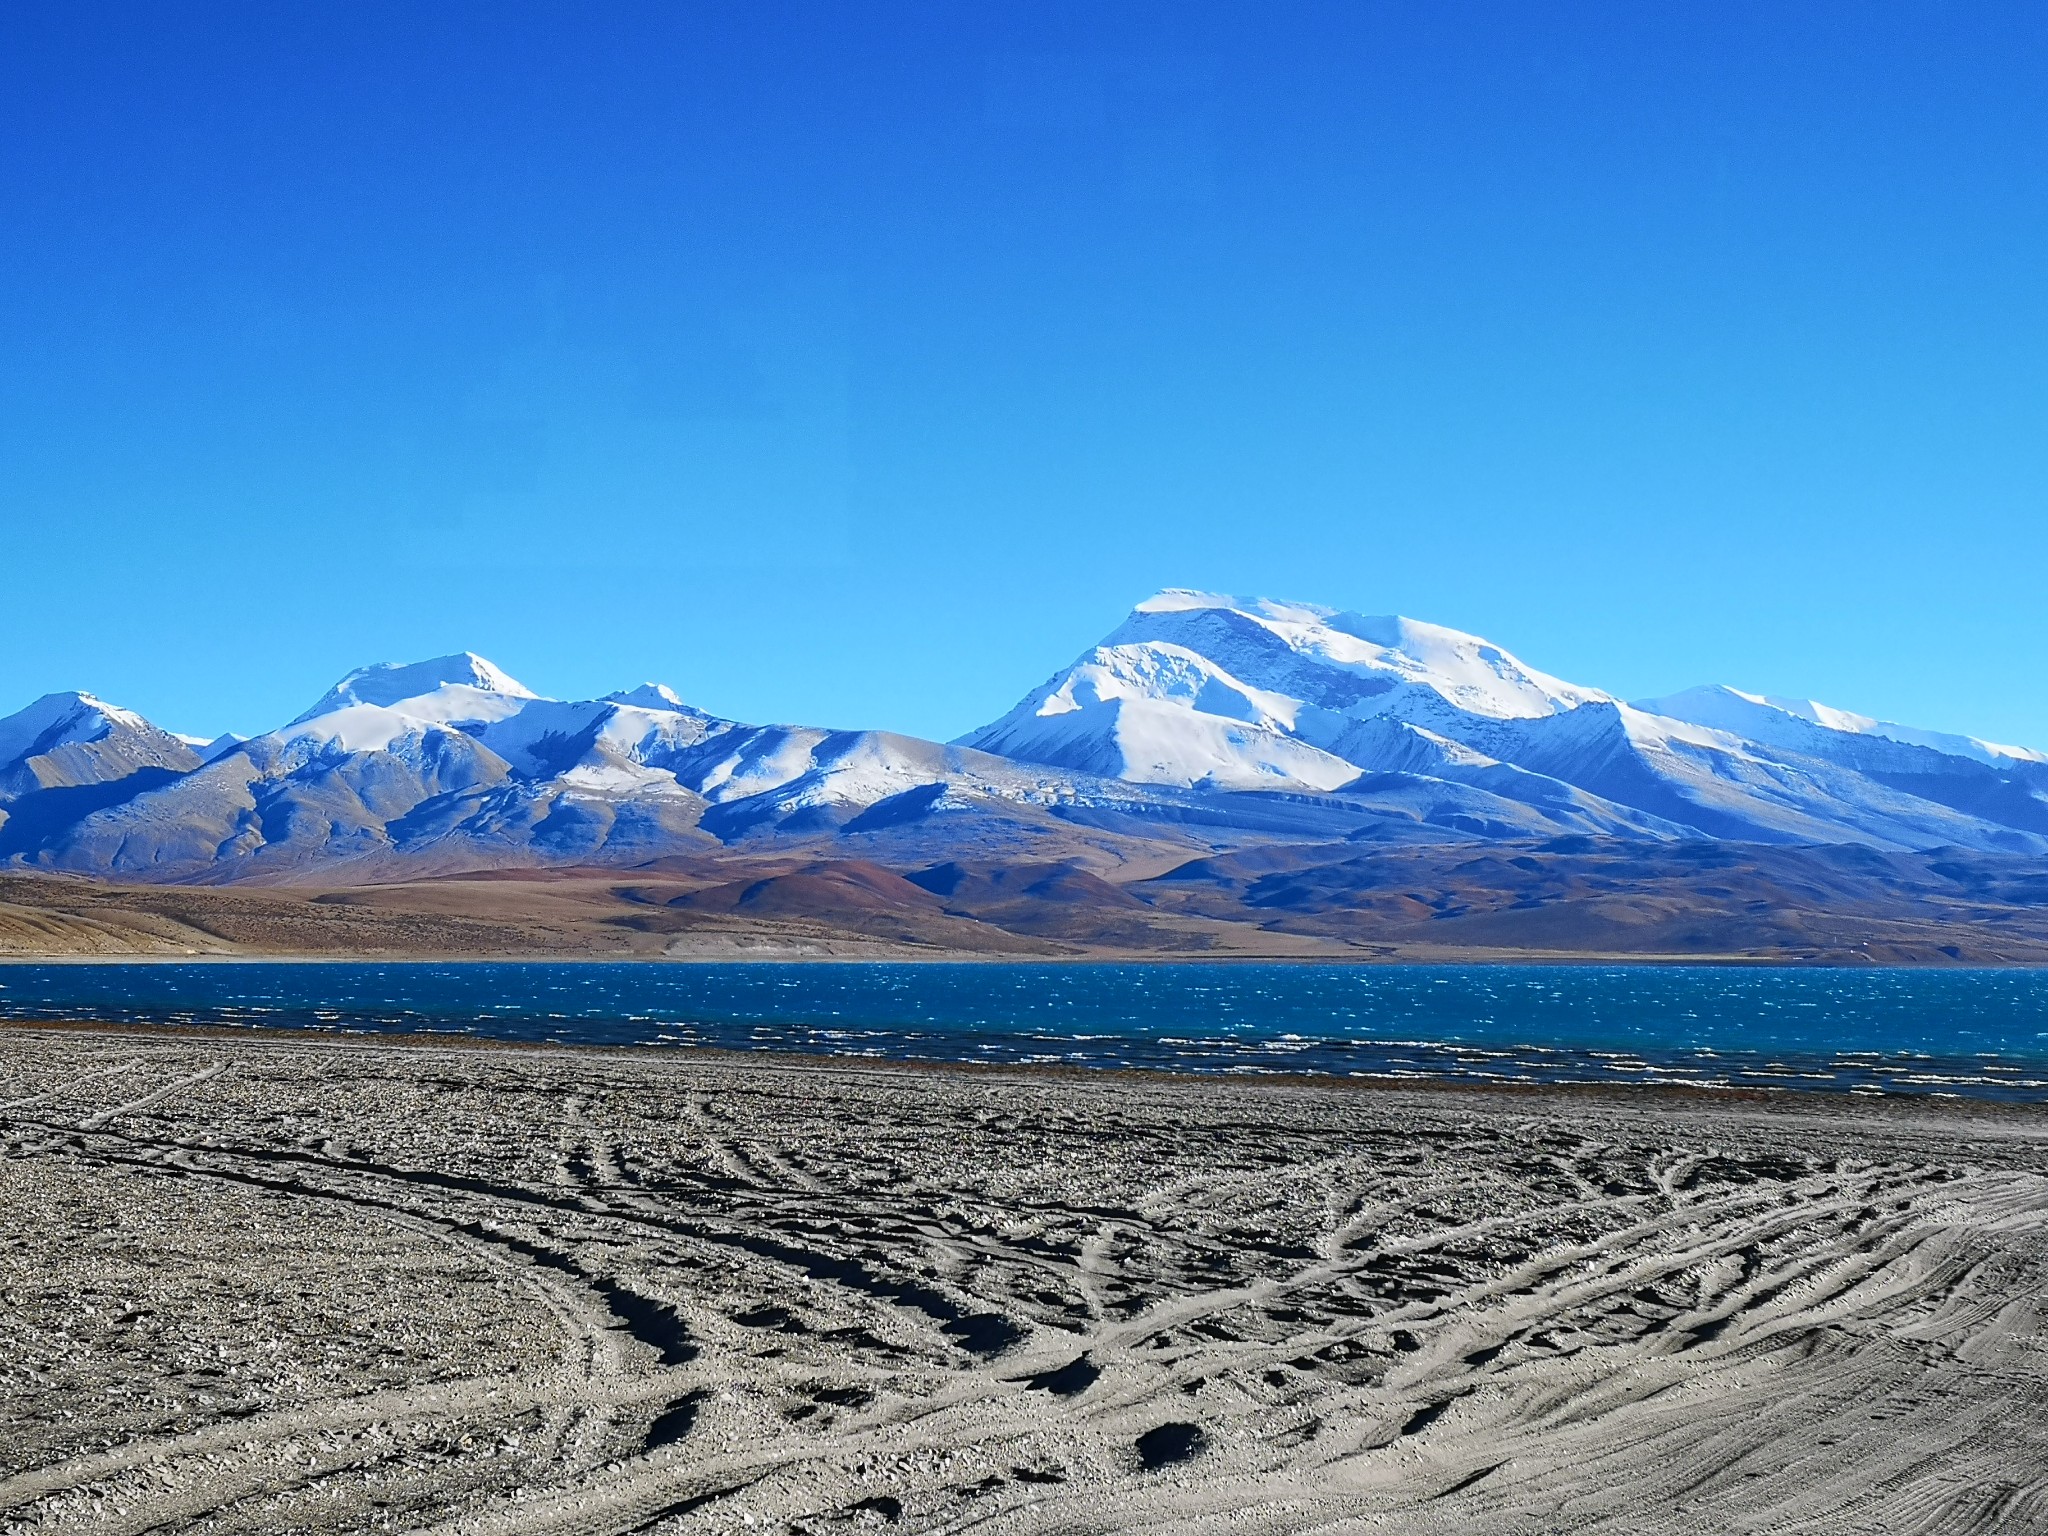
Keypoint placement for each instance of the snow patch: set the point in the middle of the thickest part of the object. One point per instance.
(391, 683)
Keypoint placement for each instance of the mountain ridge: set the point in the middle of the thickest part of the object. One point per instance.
(1201, 723)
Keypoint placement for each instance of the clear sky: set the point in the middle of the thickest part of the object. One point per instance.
(861, 364)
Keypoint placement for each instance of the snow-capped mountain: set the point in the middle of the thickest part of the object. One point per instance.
(1205, 721)
(69, 740)
(68, 754)
(1218, 692)
(453, 764)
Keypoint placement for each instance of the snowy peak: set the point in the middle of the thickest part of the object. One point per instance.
(69, 739)
(375, 708)
(1243, 693)
(60, 720)
(219, 746)
(1797, 722)
(1374, 655)
(389, 684)
(651, 696)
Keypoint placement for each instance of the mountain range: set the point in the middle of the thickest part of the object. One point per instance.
(1202, 725)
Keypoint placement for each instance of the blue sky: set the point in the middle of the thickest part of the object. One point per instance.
(862, 364)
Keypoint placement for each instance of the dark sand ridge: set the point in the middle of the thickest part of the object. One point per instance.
(274, 1285)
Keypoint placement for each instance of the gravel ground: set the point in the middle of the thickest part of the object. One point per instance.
(251, 1284)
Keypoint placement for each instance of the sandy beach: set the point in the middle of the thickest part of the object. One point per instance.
(257, 1284)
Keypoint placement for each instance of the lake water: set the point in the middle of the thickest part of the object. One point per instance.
(1979, 1034)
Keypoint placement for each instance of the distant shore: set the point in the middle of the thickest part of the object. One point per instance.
(1444, 905)
(1551, 958)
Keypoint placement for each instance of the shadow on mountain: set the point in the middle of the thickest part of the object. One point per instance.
(43, 817)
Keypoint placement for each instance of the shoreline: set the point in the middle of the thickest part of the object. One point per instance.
(1618, 1094)
(1478, 960)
